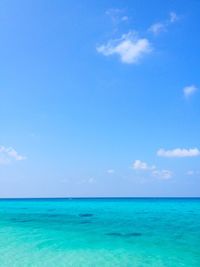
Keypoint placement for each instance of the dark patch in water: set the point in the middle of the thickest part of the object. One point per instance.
(53, 215)
(20, 220)
(25, 220)
(134, 234)
(86, 215)
(85, 222)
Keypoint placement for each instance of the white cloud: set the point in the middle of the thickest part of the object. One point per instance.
(129, 48)
(189, 90)
(152, 170)
(173, 17)
(159, 27)
(125, 18)
(141, 165)
(162, 174)
(110, 171)
(178, 153)
(192, 172)
(8, 153)
(116, 15)
(90, 180)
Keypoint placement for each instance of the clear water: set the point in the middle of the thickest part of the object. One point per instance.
(98, 233)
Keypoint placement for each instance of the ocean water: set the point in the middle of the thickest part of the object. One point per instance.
(100, 233)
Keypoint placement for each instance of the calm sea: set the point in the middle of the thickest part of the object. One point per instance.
(100, 232)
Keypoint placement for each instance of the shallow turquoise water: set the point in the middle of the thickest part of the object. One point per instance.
(106, 232)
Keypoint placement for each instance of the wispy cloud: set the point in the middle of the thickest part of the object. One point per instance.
(125, 18)
(117, 15)
(8, 153)
(162, 26)
(129, 48)
(158, 27)
(173, 17)
(189, 90)
(178, 153)
(163, 174)
(110, 171)
(192, 173)
(139, 165)
(90, 180)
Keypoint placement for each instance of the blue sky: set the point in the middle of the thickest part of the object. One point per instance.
(99, 98)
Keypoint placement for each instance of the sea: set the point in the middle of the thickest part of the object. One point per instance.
(100, 232)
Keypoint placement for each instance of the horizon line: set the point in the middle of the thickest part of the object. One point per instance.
(74, 198)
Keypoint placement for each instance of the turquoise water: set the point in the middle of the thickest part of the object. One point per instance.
(98, 233)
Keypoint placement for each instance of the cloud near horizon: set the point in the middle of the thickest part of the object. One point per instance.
(178, 153)
(163, 174)
(129, 48)
(8, 153)
(152, 170)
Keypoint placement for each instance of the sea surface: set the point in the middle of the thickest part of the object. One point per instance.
(100, 232)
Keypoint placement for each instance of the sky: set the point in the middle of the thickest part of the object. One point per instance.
(99, 98)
